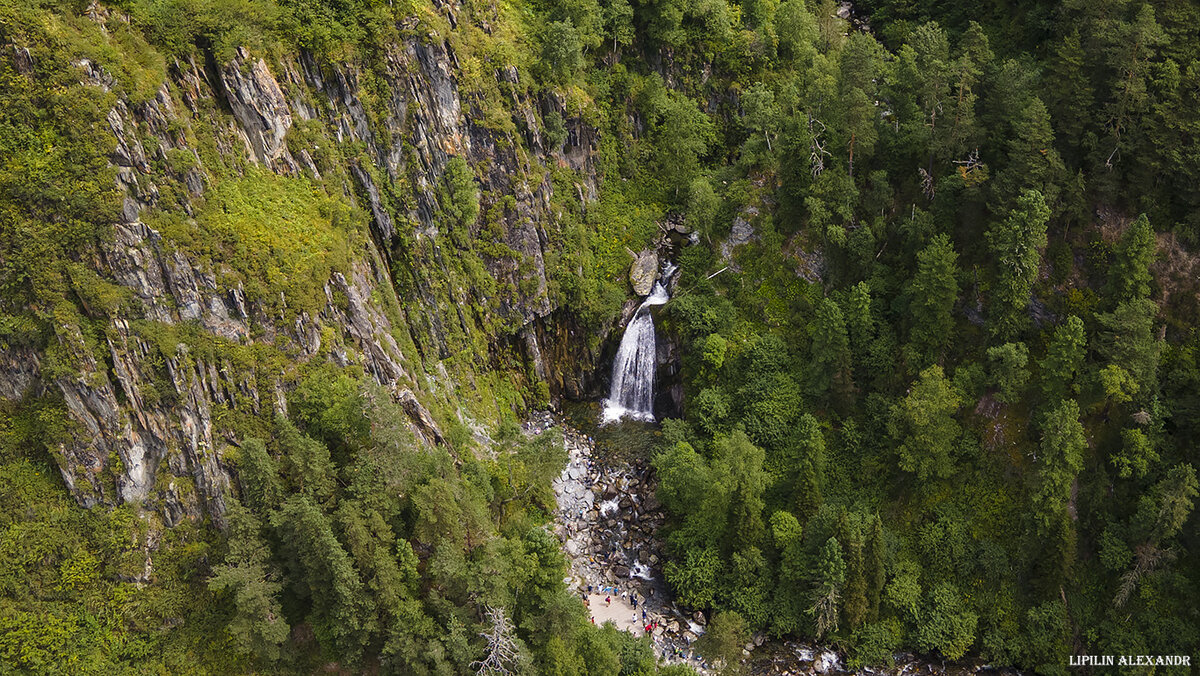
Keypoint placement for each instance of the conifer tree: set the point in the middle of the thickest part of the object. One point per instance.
(1064, 359)
(831, 361)
(258, 626)
(827, 595)
(322, 572)
(1016, 243)
(1007, 363)
(1129, 276)
(259, 477)
(1060, 457)
(933, 290)
(924, 424)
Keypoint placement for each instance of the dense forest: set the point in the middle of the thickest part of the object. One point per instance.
(937, 327)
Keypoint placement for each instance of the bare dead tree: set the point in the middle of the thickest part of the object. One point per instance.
(972, 162)
(825, 609)
(1148, 556)
(503, 652)
(816, 157)
(926, 183)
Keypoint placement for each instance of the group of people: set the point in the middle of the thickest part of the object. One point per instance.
(625, 596)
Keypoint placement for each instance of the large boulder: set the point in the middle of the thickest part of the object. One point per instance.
(643, 272)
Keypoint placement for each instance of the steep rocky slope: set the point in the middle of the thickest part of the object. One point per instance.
(192, 349)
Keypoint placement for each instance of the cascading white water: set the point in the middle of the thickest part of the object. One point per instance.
(632, 391)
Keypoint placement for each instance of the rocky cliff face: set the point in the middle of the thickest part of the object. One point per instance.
(149, 405)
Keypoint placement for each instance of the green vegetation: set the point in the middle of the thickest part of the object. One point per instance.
(963, 413)
(943, 396)
(271, 235)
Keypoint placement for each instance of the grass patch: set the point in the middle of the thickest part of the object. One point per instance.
(273, 235)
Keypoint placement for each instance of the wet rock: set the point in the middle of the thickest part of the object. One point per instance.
(643, 272)
(699, 618)
(826, 662)
(741, 233)
(384, 226)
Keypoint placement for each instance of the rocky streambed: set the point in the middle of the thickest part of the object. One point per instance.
(607, 518)
(607, 522)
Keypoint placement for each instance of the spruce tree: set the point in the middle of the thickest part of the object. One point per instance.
(1016, 244)
(933, 291)
(1064, 359)
(1129, 276)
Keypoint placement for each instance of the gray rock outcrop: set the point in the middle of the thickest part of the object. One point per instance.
(643, 272)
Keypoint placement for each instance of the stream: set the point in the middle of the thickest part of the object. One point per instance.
(608, 519)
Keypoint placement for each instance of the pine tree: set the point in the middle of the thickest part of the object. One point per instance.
(261, 489)
(924, 424)
(306, 460)
(967, 70)
(1007, 364)
(809, 461)
(788, 605)
(1127, 342)
(1161, 514)
(1032, 163)
(321, 570)
(1069, 94)
(389, 573)
(875, 564)
(852, 537)
(831, 361)
(947, 624)
(1060, 458)
(1130, 55)
(739, 463)
(1136, 455)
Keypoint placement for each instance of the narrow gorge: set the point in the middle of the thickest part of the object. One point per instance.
(598, 337)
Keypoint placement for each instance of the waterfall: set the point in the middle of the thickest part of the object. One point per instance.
(632, 391)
